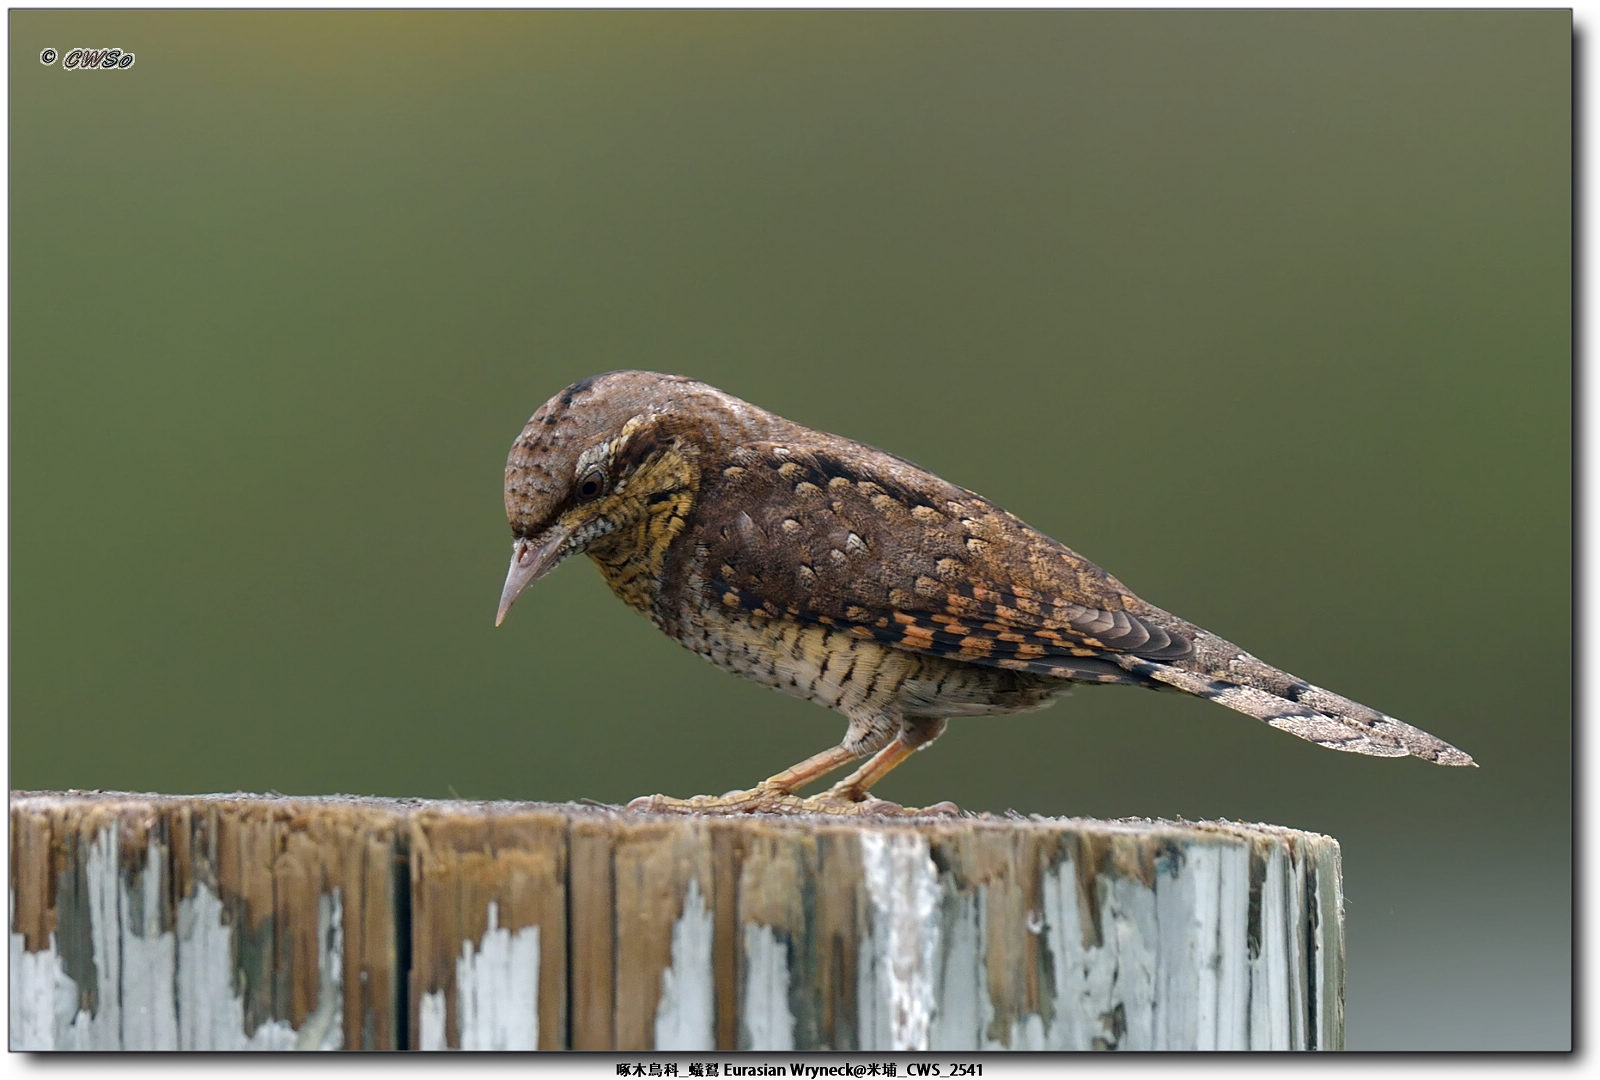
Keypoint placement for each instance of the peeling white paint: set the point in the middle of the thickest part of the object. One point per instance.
(900, 950)
(40, 986)
(323, 1029)
(1128, 924)
(766, 1021)
(1294, 953)
(964, 1012)
(431, 1021)
(1328, 965)
(43, 1000)
(160, 990)
(497, 993)
(210, 1002)
(1202, 908)
(685, 1017)
(1271, 1025)
(149, 962)
(1082, 979)
(1172, 970)
(963, 994)
(105, 890)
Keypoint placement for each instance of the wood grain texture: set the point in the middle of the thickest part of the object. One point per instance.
(234, 921)
(223, 922)
(511, 863)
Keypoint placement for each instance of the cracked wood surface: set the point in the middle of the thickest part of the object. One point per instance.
(241, 921)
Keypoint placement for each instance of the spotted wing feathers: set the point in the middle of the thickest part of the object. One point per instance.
(871, 544)
(924, 566)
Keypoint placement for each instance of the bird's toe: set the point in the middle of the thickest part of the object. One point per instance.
(763, 798)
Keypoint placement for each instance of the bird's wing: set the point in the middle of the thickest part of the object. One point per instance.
(866, 542)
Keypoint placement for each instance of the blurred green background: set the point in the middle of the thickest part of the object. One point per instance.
(1268, 313)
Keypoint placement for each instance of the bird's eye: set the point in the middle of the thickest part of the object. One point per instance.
(592, 484)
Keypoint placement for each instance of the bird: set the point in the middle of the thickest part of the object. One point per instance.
(844, 575)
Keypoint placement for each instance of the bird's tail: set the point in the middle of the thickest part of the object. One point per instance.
(1222, 672)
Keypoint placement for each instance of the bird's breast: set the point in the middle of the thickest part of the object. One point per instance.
(633, 560)
(816, 663)
(849, 673)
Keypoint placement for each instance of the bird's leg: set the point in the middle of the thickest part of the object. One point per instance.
(798, 776)
(916, 733)
(869, 733)
(774, 793)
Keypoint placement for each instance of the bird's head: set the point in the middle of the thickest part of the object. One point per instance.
(606, 466)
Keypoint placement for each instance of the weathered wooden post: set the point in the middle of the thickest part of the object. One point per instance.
(233, 921)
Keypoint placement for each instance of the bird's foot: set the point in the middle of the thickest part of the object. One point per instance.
(871, 806)
(845, 799)
(761, 799)
(766, 799)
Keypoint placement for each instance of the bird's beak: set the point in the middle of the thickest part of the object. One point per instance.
(530, 561)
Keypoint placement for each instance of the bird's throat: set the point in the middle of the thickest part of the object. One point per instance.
(632, 559)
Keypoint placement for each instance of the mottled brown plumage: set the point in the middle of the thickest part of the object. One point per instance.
(847, 576)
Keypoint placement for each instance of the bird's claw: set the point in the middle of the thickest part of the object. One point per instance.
(843, 804)
(763, 799)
